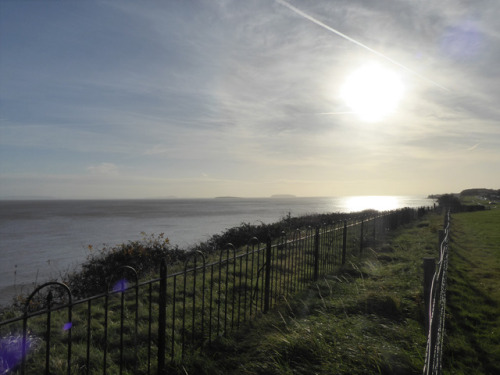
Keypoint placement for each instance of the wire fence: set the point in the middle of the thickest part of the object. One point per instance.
(436, 305)
(140, 327)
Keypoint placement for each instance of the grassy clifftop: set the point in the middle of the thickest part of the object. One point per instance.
(365, 319)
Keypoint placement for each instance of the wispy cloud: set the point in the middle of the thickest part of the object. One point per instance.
(105, 169)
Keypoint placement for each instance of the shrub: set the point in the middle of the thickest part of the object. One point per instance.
(241, 235)
(144, 256)
(451, 202)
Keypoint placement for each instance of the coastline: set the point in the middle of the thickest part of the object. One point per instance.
(49, 239)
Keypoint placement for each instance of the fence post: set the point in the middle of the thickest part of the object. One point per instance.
(162, 318)
(344, 242)
(47, 333)
(429, 269)
(361, 238)
(267, 280)
(316, 255)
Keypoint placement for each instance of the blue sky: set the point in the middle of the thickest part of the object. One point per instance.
(126, 99)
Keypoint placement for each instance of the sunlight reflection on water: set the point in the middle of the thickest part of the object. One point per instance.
(379, 203)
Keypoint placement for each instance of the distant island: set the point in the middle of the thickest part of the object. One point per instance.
(272, 196)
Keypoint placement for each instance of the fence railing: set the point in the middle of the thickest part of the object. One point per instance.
(138, 327)
(435, 294)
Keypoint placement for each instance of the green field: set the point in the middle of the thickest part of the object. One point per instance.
(472, 342)
(367, 318)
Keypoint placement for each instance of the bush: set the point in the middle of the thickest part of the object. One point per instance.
(241, 235)
(451, 202)
(144, 256)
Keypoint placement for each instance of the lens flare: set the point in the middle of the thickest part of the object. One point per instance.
(11, 350)
(120, 286)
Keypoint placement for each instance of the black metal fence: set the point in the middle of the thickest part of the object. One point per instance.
(436, 304)
(136, 327)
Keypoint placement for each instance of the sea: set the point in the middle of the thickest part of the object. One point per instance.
(43, 239)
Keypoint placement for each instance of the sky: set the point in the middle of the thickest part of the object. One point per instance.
(127, 99)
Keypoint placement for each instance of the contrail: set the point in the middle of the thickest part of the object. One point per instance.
(321, 24)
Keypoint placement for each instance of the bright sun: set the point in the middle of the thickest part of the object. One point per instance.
(372, 92)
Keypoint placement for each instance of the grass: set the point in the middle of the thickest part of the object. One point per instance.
(472, 344)
(366, 318)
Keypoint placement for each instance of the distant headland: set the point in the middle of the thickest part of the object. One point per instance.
(481, 192)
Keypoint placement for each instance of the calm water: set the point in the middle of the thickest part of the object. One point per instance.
(41, 239)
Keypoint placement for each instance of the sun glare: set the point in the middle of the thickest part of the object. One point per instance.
(379, 203)
(372, 92)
